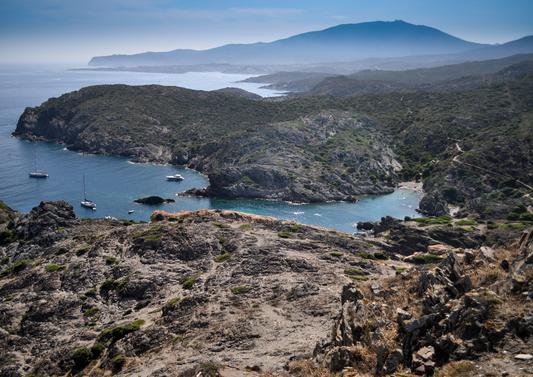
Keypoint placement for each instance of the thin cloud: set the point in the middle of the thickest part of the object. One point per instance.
(270, 12)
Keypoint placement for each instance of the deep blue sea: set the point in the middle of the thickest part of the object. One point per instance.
(113, 182)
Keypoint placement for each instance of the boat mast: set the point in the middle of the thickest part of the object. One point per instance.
(84, 194)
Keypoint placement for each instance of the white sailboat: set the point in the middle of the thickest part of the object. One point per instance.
(36, 173)
(86, 202)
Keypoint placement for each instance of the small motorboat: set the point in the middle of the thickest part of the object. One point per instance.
(175, 178)
(38, 174)
(131, 211)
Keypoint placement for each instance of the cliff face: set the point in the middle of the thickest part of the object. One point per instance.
(225, 293)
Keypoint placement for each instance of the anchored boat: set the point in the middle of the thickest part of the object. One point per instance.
(36, 173)
(175, 178)
(86, 202)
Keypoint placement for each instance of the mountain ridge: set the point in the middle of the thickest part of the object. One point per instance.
(371, 39)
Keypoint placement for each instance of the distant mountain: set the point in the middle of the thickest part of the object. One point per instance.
(340, 43)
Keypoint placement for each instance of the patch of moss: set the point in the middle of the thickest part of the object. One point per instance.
(356, 273)
(190, 281)
(427, 258)
(53, 267)
(284, 234)
(82, 250)
(242, 289)
(113, 334)
(466, 222)
(91, 312)
(437, 220)
(222, 257)
(219, 224)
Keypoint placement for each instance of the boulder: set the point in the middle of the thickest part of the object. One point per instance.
(41, 225)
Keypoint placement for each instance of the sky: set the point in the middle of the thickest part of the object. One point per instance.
(72, 31)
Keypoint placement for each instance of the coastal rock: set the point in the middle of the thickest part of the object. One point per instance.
(42, 224)
(433, 205)
(153, 200)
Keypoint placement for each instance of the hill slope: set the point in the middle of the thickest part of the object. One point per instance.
(315, 148)
(336, 44)
(220, 293)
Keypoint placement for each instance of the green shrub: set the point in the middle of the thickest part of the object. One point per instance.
(284, 234)
(118, 362)
(190, 281)
(208, 369)
(7, 236)
(113, 284)
(109, 260)
(91, 312)
(82, 250)
(118, 332)
(97, 349)
(20, 265)
(81, 357)
(245, 226)
(336, 254)
(52, 267)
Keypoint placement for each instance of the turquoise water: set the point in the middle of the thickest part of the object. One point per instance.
(113, 182)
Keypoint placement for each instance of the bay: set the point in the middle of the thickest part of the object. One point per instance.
(113, 182)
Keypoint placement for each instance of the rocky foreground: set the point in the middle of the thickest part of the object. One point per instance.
(214, 293)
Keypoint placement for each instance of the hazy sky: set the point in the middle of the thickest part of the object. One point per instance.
(72, 31)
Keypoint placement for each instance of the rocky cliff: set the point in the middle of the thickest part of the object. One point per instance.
(218, 293)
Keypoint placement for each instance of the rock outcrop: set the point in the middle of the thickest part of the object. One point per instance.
(230, 293)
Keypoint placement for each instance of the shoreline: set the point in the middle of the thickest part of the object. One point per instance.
(412, 185)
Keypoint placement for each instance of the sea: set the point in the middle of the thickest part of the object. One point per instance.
(115, 182)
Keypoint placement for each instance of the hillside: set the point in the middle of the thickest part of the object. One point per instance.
(218, 293)
(248, 148)
(336, 44)
(315, 148)
(445, 77)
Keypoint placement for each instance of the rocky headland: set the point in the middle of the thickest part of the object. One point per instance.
(472, 148)
(221, 293)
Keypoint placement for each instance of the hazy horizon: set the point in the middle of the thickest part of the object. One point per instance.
(71, 32)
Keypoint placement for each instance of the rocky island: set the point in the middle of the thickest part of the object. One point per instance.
(221, 293)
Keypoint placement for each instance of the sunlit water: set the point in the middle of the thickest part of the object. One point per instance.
(113, 183)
